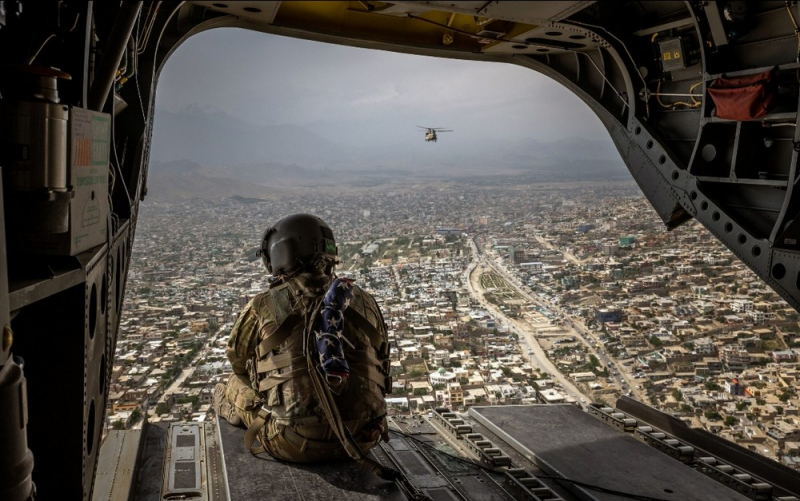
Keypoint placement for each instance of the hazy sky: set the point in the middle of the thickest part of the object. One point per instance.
(354, 95)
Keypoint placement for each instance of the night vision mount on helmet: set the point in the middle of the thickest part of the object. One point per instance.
(298, 241)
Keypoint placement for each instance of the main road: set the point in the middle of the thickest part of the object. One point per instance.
(536, 354)
(580, 331)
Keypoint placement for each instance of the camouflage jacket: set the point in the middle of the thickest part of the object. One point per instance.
(290, 397)
(257, 319)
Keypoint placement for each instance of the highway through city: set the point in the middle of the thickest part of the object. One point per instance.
(576, 328)
(526, 331)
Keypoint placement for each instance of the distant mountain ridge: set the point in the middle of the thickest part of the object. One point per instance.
(215, 139)
(185, 179)
(209, 151)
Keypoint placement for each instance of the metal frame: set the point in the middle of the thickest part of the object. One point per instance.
(69, 360)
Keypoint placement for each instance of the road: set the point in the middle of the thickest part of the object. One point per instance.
(567, 255)
(580, 331)
(186, 372)
(537, 357)
(400, 289)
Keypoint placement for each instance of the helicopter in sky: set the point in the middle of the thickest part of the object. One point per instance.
(430, 132)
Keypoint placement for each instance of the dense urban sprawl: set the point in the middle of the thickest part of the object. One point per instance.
(493, 295)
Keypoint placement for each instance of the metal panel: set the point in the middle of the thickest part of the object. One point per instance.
(183, 465)
(115, 479)
(5, 319)
(782, 477)
(563, 440)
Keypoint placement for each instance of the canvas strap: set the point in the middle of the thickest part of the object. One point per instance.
(332, 414)
(256, 425)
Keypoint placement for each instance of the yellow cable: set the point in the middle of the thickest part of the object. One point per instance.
(691, 91)
(694, 104)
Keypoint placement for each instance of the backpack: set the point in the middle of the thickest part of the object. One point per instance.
(287, 374)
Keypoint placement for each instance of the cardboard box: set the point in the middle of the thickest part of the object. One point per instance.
(89, 149)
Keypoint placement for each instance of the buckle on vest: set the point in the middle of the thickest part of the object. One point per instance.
(335, 382)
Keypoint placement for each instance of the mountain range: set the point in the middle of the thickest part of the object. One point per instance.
(201, 152)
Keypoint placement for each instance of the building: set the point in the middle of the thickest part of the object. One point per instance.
(705, 346)
(441, 358)
(733, 387)
(604, 315)
(442, 376)
(517, 255)
(784, 356)
(735, 358)
(551, 396)
(456, 394)
(610, 249)
(583, 376)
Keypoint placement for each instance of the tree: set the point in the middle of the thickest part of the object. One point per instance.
(136, 415)
(712, 415)
(162, 408)
(118, 425)
(779, 409)
(730, 420)
(677, 394)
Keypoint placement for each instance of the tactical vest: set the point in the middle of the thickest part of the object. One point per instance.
(279, 368)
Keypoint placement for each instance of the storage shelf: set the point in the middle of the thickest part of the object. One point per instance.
(782, 116)
(781, 183)
(23, 292)
(751, 71)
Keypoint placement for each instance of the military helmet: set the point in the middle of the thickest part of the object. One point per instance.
(299, 240)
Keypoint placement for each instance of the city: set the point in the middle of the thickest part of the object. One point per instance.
(493, 294)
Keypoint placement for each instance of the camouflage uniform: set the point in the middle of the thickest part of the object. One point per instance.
(297, 429)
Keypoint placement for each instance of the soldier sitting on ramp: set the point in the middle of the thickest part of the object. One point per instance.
(310, 355)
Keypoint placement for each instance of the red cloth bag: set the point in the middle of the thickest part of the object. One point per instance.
(743, 98)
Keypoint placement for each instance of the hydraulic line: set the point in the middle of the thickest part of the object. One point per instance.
(112, 55)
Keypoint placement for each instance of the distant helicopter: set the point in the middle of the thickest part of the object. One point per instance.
(430, 132)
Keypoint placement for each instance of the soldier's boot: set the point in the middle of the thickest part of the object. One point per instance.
(223, 407)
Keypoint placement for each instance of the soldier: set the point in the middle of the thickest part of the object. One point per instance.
(310, 355)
